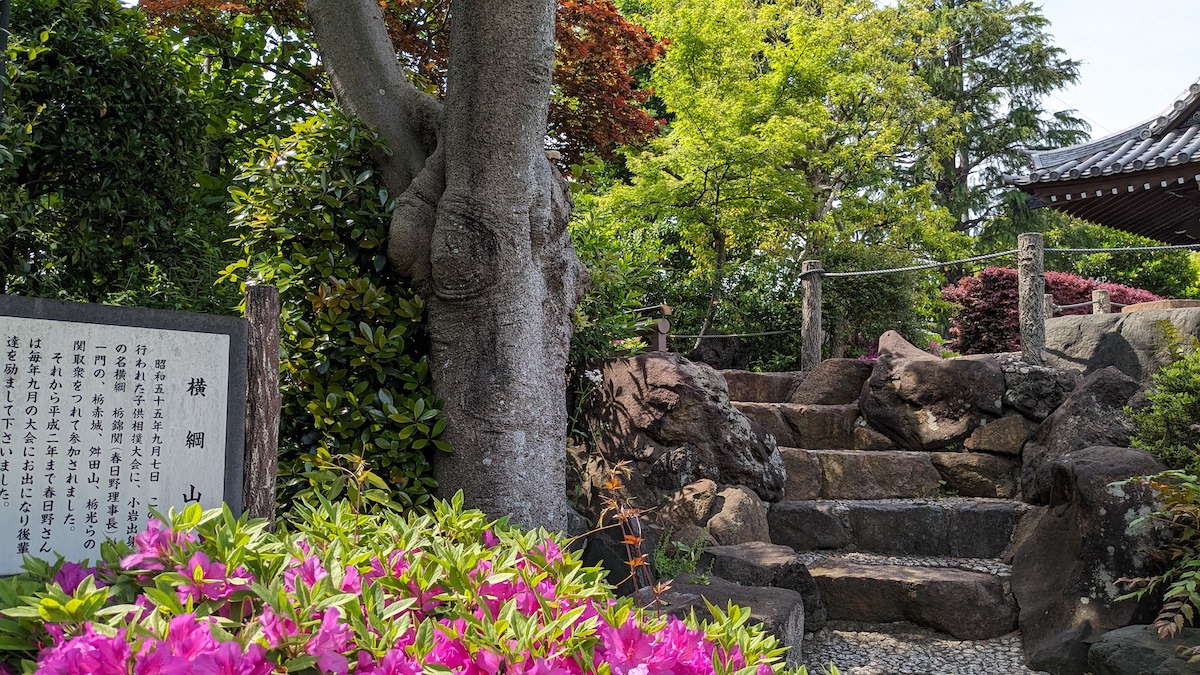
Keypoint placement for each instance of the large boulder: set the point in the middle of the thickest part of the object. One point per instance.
(739, 516)
(1065, 570)
(833, 382)
(924, 402)
(1131, 342)
(672, 421)
(1092, 415)
(1005, 436)
(1035, 391)
(1134, 650)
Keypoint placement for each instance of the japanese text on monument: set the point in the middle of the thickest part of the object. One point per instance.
(99, 424)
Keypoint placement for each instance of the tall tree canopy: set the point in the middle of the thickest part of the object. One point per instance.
(1000, 65)
(595, 104)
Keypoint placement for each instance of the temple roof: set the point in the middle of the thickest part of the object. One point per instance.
(1144, 180)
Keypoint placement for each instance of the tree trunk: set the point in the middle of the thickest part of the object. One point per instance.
(718, 282)
(480, 229)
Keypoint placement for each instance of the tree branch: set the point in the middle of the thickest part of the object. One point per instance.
(369, 82)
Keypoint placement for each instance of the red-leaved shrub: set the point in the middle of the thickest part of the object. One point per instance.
(986, 319)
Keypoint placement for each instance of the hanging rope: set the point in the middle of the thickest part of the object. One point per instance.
(1131, 249)
(725, 335)
(915, 268)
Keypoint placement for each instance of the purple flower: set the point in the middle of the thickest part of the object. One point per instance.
(71, 574)
(310, 572)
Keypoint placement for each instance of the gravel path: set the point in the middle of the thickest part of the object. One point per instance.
(985, 565)
(905, 649)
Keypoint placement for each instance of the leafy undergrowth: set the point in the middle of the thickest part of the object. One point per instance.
(445, 592)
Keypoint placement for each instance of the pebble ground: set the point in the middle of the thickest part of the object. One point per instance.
(905, 649)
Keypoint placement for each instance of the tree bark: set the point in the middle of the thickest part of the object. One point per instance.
(480, 229)
(717, 288)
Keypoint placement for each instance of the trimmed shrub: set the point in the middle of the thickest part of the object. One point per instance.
(445, 592)
(101, 142)
(985, 321)
(358, 414)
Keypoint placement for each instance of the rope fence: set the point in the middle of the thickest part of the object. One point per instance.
(1035, 304)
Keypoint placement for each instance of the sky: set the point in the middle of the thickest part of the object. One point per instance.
(1138, 56)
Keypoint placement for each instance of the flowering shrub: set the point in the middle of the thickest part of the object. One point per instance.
(986, 319)
(445, 592)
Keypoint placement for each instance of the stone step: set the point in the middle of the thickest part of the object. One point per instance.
(797, 425)
(855, 474)
(955, 527)
(745, 385)
(859, 648)
(965, 604)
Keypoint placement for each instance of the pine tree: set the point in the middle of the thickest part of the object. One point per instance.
(996, 73)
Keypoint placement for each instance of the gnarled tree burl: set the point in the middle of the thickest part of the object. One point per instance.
(480, 230)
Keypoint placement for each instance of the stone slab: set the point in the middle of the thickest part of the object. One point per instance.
(967, 605)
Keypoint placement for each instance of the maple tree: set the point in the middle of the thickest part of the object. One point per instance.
(596, 102)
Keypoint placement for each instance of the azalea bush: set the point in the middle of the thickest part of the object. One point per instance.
(985, 319)
(340, 592)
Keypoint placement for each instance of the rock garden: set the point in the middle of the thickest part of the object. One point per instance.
(914, 514)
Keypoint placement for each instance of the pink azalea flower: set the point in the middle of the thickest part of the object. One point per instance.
(352, 582)
(309, 571)
(228, 659)
(87, 654)
(490, 540)
(628, 649)
(209, 579)
(189, 636)
(276, 629)
(330, 642)
(395, 566)
(153, 546)
(550, 550)
(156, 659)
(395, 662)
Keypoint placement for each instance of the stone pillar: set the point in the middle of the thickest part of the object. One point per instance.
(1031, 290)
(1103, 302)
(811, 338)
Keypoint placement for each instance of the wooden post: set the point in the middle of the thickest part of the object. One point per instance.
(1103, 302)
(662, 328)
(1048, 305)
(1031, 291)
(263, 401)
(810, 329)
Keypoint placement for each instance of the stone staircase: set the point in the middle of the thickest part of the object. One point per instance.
(904, 545)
